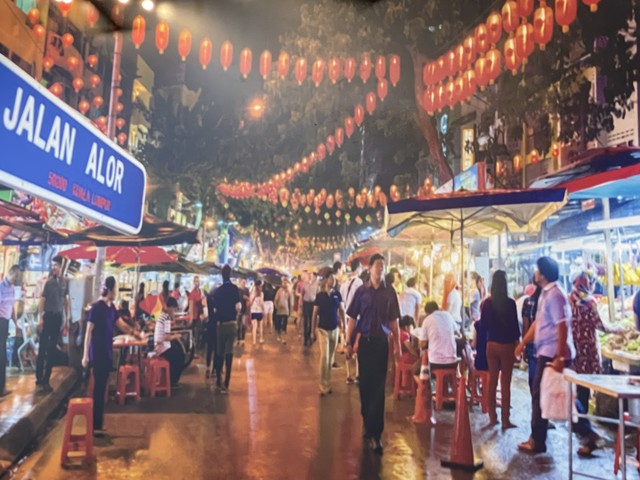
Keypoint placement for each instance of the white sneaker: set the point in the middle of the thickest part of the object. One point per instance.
(261, 340)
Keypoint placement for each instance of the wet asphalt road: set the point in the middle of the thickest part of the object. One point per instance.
(274, 425)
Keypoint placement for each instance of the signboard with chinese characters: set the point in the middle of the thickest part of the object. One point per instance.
(467, 158)
(52, 151)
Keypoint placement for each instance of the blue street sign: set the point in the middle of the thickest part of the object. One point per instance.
(50, 150)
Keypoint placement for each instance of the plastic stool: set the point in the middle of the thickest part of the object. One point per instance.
(124, 373)
(160, 379)
(479, 385)
(404, 383)
(445, 377)
(616, 461)
(78, 443)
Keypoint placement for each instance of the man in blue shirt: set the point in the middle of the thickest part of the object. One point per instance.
(376, 310)
(225, 304)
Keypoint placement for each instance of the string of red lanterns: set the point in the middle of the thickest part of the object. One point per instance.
(456, 75)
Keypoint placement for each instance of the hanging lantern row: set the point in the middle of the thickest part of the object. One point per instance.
(335, 68)
(476, 62)
(324, 149)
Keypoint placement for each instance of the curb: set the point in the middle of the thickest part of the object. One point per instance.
(25, 430)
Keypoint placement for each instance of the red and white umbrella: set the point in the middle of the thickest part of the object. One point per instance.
(121, 255)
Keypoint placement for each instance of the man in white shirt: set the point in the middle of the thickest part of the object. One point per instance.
(347, 291)
(410, 300)
(438, 334)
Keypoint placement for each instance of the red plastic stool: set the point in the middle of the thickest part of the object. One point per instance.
(616, 461)
(78, 443)
(446, 379)
(404, 383)
(160, 379)
(124, 373)
(479, 384)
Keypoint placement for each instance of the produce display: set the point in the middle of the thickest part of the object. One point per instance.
(627, 340)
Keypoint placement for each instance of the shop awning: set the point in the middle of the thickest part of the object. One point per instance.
(122, 255)
(153, 232)
(181, 265)
(19, 232)
(621, 182)
(12, 211)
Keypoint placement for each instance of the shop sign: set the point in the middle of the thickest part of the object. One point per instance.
(472, 179)
(468, 156)
(51, 151)
(588, 204)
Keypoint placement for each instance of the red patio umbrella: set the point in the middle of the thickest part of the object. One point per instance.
(121, 255)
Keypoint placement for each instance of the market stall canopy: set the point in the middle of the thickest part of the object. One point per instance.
(209, 268)
(121, 255)
(240, 272)
(599, 173)
(154, 232)
(475, 214)
(180, 265)
(10, 211)
(271, 272)
(21, 232)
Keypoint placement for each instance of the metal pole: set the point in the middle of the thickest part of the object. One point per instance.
(621, 291)
(462, 263)
(606, 213)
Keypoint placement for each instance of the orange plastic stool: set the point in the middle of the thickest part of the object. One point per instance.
(160, 379)
(124, 373)
(445, 378)
(404, 383)
(78, 443)
(479, 384)
(616, 461)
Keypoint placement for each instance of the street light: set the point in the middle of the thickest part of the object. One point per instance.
(147, 5)
(256, 108)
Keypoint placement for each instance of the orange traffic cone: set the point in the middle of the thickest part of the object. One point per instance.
(462, 456)
(423, 411)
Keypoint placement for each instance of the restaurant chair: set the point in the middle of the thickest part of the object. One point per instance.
(160, 378)
(125, 373)
(404, 383)
(446, 385)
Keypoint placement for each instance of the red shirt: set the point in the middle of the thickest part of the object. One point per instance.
(195, 296)
(407, 356)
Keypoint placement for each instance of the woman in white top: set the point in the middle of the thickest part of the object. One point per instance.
(452, 301)
(167, 344)
(256, 304)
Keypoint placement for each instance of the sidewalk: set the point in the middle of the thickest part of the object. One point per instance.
(24, 413)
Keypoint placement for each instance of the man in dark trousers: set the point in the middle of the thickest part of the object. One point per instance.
(376, 310)
(54, 312)
(225, 304)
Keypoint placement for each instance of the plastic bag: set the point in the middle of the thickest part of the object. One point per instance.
(554, 395)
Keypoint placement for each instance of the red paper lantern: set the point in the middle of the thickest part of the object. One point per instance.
(206, 49)
(119, 107)
(120, 123)
(383, 88)
(72, 62)
(339, 136)
(555, 150)
(138, 30)
(394, 69)
(83, 106)
(117, 14)
(56, 89)
(510, 17)
(184, 44)
(517, 162)
(440, 69)
(92, 60)
(265, 64)
(460, 60)
(64, 6)
(482, 38)
(349, 68)
(592, 4)
(458, 90)
(365, 68)
(534, 156)
(494, 28)
(481, 72)
(300, 70)
(226, 55)
(331, 144)
(358, 114)
(524, 41)
(47, 63)
(97, 101)
(33, 15)
(525, 7)
(122, 138)
(511, 59)
(77, 84)
(162, 36)
(349, 126)
(469, 46)
(542, 25)
(451, 63)
(381, 67)
(334, 70)
(246, 59)
(566, 11)
(67, 40)
(283, 65)
(469, 83)
(371, 103)
(317, 71)
(94, 80)
(321, 151)
(429, 74)
(428, 100)
(441, 97)
(91, 13)
(39, 31)
(494, 64)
